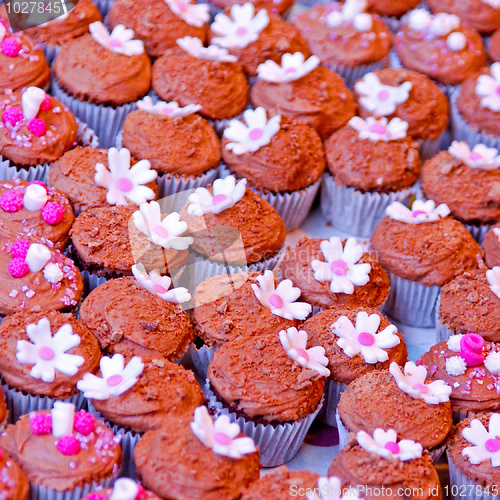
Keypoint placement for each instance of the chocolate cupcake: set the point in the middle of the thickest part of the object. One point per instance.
(123, 487)
(356, 341)
(421, 249)
(281, 7)
(491, 246)
(494, 47)
(94, 178)
(160, 23)
(345, 38)
(471, 367)
(184, 460)
(43, 355)
(281, 157)
(392, 8)
(13, 482)
(371, 164)
(100, 76)
(335, 273)
(300, 88)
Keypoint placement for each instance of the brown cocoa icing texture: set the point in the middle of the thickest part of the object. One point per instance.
(272, 6)
(153, 23)
(162, 390)
(491, 247)
(281, 484)
(494, 47)
(59, 32)
(45, 465)
(296, 266)
(38, 294)
(444, 180)
(13, 482)
(367, 472)
(128, 320)
(477, 13)
(375, 401)
(220, 88)
(426, 109)
(430, 55)
(28, 69)
(343, 368)
(255, 377)
(469, 104)
(395, 8)
(106, 493)
(17, 375)
(293, 159)
(342, 45)
(275, 40)
(252, 223)
(29, 224)
(224, 305)
(106, 242)
(186, 146)
(176, 465)
(380, 167)
(431, 253)
(483, 474)
(61, 134)
(476, 390)
(469, 305)
(320, 99)
(90, 72)
(73, 175)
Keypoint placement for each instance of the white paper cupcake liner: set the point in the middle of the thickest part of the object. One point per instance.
(277, 444)
(352, 74)
(201, 359)
(332, 394)
(411, 303)
(168, 186)
(91, 281)
(311, 3)
(443, 332)
(355, 212)
(104, 6)
(50, 52)
(428, 148)
(478, 232)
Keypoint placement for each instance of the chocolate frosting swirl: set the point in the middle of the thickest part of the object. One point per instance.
(394, 8)
(13, 482)
(491, 247)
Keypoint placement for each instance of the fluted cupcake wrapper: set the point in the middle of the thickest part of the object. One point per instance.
(91, 281)
(311, 3)
(50, 51)
(443, 332)
(104, 6)
(478, 232)
(278, 444)
(328, 413)
(355, 212)
(201, 358)
(353, 73)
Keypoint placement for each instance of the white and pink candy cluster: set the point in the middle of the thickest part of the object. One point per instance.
(10, 44)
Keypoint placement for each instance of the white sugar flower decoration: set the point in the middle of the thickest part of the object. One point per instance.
(385, 444)
(413, 383)
(159, 285)
(165, 231)
(364, 338)
(194, 14)
(125, 182)
(380, 99)
(493, 276)
(222, 435)
(120, 40)
(281, 300)
(488, 88)
(421, 211)
(493, 3)
(352, 11)
(48, 353)
(116, 378)
(341, 267)
(492, 362)
(379, 130)
(294, 342)
(194, 47)
(242, 28)
(170, 109)
(486, 442)
(443, 24)
(293, 67)
(226, 193)
(481, 156)
(256, 132)
(330, 488)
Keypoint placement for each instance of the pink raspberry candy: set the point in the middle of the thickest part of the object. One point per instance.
(10, 47)
(37, 127)
(20, 249)
(12, 116)
(141, 492)
(3, 23)
(46, 103)
(18, 268)
(52, 213)
(69, 445)
(11, 201)
(41, 424)
(39, 183)
(84, 423)
(96, 496)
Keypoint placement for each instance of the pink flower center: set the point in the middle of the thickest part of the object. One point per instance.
(255, 134)
(417, 213)
(114, 44)
(276, 301)
(475, 156)
(423, 389)
(241, 31)
(492, 445)
(160, 231)
(166, 110)
(365, 338)
(289, 71)
(339, 267)
(182, 6)
(160, 289)
(497, 90)
(219, 198)
(383, 95)
(302, 353)
(124, 185)
(221, 438)
(378, 128)
(392, 447)
(114, 380)
(46, 353)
